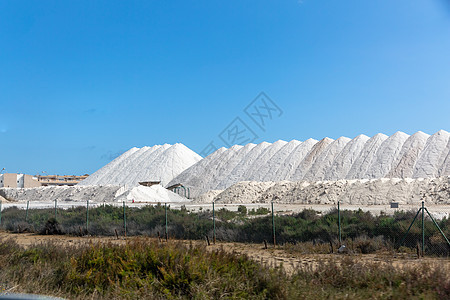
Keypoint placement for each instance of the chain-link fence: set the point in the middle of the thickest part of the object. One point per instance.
(417, 230)
(412, 230)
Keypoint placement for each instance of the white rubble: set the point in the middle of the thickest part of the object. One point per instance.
(93, 193)
(380, 191)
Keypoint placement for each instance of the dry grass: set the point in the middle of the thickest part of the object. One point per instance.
(144, 268)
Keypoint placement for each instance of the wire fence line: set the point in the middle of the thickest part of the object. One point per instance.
(420, 231)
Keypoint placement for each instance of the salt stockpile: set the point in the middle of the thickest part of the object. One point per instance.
(386, 155)
(433, 155)
(152, 194)
(215, 168)
(399, 155)
(61, 193)
(309, 159)
(269, 169)
(355, 192)
(287, 169)
(403, 167)
(243, 192)
(233, 162)
(256, 170)
(93, 193)
(323, 163)
(365, 158)
(157, 163)
(109, 168)
(240, 170)
(345, 159)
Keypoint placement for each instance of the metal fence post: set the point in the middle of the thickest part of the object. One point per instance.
(87, 215)
(339, 224)
(423, 229)
(214, 224)
(409, 228)
(165, 208)
(437, 226)
(26, 214)
(273, 227)
(124, 219)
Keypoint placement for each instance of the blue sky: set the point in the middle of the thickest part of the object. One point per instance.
(81, 81)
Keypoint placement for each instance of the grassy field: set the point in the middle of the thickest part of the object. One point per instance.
(145, 268)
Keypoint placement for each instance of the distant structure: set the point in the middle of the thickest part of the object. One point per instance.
(46, 180)
(149, 183)
(14, 180)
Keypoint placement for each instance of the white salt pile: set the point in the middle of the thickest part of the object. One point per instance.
(154, 194)
(346, 158)
(403, 167)
(93, 193)
(368, 153)
(355, 192)
(240, 170)
(157, 163)
(290, 164)
(433, 156)
(399, 155)
(61, 193)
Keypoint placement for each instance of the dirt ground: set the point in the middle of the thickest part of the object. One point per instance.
(272, 256)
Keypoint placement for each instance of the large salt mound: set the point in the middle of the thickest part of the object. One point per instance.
(403, 166)
(217, 166)
(244, 165)
(269, 169)
(108, 170)
(386, 155)
(220, 179)
(433, 156)
(287, 169)
(323, 163)
(135, 165)
(445, 169)
(345, 159)
(198, 170)
(366, 156)
(157, 163)
(399, 155)
(255, 170)
(311, 158)
(356, 192)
